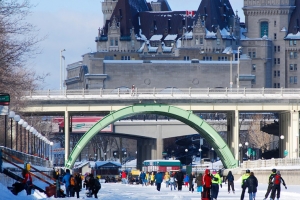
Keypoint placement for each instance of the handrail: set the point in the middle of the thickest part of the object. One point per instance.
(211, 93)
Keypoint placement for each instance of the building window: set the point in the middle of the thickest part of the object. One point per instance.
(218, 41)
(253, 54)
(278, 85)
(186, 58)
(295, 67)
(275, 73)
(291, 67)
(278, 48)
(132, 43)
(295, 55)
(275, 48)
(275, 59)
(293, 42)
(111, 42)
(274, 23)
(275, 36)
(278, 73)
(291, 55)
(197, 40)
(278, 61)
(253, 67)
(295, 80)
(125, 58)
(201, 39)
(275, 85)
(116, 41)
(250, 54)
(264, 29)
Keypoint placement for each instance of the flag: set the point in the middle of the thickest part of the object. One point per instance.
(190, 13)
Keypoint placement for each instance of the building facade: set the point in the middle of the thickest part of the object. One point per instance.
(149, 45)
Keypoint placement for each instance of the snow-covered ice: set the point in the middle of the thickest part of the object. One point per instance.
(118, 191)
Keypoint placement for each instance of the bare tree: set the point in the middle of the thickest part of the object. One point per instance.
(256, 137)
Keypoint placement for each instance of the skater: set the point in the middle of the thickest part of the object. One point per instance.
(270, 183)
(167, 179)
(186, 180)
(191, 182)
(179, 178)
(216, 181)
(143, 178)
(252, 184)
(27, 181)
(158, 180)
(66, 180)
(230, 181)
(198, 182)
(206, 185)
(277, 180)
(244, 178)
(172, 182)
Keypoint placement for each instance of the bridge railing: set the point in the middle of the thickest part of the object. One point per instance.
(271, 162)
(169, 92)
(33, 160)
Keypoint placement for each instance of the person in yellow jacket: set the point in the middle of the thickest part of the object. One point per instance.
(152, 178)
(244, 178)
(215, 182)
(147, 179)
(167, 179)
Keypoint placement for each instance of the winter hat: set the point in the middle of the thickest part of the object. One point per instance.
(274, 170)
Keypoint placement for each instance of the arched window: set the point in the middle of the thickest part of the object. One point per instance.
(264, 29)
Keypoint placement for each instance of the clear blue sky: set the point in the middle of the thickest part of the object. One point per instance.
(73, 25)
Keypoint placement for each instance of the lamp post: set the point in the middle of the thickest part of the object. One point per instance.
(60, 59)
(240, 146)
(246, 145)
(238, 70)
(28, 139)
(281, 145)
(125, 154)
(27, 128)
(17, 135)
(213, 157)
(24, 125)
(17, 119)
(186, 150)
(231, 55)
(104, 156)
(200, 156)
(115, 154)
(11, 116)
(95, 157)
(51, 144)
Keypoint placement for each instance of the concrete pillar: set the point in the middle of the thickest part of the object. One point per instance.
(67, 135)
(233, 137)
(159, 142)
(153, 149)
(289, 128)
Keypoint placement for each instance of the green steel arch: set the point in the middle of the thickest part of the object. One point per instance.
(184, 116)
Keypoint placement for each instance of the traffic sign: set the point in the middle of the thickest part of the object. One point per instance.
(4, 103)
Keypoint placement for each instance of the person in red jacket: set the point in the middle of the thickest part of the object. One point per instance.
(124, 177)
(27, 181)
(206, 181)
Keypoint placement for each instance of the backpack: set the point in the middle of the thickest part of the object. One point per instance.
(277, 179)
(72, 181)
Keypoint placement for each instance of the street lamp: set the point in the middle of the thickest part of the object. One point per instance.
(186, 150)
(115, 154)
(17, 135)
(200, 156)
(231, 55)
(104, 156)
(95, 156)
(31, 130)
(212, 160)
(24, 125)
(11, 116)
(238, 69)
(281, 145)
(125, 153)
(246, 144)
(51, 144)
(60, 81)
(240, 146)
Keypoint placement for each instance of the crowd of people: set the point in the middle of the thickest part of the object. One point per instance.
(207, 184)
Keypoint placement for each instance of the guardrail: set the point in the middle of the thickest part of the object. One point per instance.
(33, 160)
(252, 93)
(271, 162)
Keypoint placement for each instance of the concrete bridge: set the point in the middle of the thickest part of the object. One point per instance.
(230, 101)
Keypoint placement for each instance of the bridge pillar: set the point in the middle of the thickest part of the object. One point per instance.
(233, 132)
(289, 128)
(67, 135)
(159, 142)
(144, 151)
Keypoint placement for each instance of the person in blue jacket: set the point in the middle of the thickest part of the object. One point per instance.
(158, 179)
(66, 181)
(142, 178)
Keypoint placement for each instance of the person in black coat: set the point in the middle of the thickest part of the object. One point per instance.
(252, 184)
(179, 178)
(230, 181)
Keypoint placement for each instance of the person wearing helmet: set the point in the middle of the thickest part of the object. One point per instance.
(244, 186)
(270, 183)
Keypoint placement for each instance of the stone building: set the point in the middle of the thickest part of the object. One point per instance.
(149, 45)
